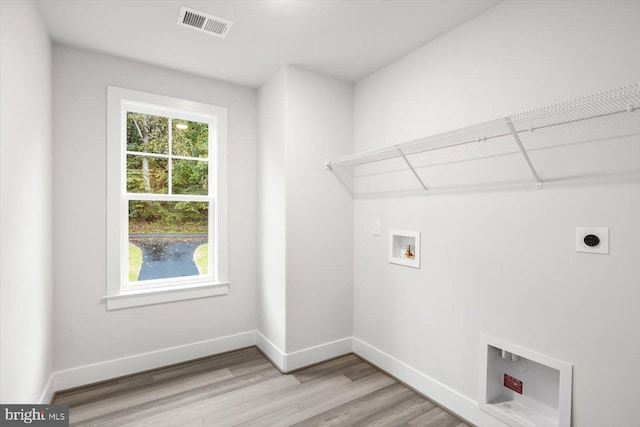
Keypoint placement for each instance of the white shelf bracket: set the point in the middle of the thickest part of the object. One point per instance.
(516, 137)
(412, 169)
(328, 166)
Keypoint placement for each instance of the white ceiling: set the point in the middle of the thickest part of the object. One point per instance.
(347, 39)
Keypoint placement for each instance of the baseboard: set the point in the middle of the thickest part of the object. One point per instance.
(287, 362)
(271, 351)
(445, 396)
(109, 369)
(320, 353)
(47, 392)
(114, 368)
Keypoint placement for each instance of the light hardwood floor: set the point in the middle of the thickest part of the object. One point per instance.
(243, 388)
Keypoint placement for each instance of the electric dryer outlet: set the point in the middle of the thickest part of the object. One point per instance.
(592, 240)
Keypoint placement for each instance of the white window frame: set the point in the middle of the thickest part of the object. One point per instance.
(119, 293)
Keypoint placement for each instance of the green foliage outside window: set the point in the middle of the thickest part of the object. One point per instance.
(153, 180)
(150, 173)
(147, 133)
(190, 177)
(192, 141)
(157, 217)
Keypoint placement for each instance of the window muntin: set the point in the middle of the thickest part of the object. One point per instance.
(169, 207)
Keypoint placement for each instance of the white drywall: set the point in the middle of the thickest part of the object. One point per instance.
(500, 260)
(25, 201)
(319, 212)
(85, 332)
(305, 295)
(272, 120)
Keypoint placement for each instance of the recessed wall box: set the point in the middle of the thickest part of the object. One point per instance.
(530, 390)
(592, 240)
(404, 248)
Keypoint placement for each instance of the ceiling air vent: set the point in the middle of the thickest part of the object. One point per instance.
(204, 22)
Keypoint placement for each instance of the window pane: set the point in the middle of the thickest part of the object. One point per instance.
(190, 177)
(147, 133)
(170, 238)
(147, 174)
(190, 139)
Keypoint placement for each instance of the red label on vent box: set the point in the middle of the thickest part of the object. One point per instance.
(513, 383)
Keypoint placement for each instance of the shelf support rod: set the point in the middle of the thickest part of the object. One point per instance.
(412, 170)
(328, 166)
(524, 153)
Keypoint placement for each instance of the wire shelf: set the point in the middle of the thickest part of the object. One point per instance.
(603, 115)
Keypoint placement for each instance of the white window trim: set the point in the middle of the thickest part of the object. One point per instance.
(118, 296)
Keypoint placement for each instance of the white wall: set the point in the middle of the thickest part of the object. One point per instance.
(25, 202)
(272, 113)
(306, 296)
(85, 332)
(319, 212)
(502, 262)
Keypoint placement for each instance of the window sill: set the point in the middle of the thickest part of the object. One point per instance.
(159, 296)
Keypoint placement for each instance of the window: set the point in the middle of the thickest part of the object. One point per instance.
(166, 199)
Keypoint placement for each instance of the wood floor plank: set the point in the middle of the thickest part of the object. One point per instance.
(97, 391)
(273, 418)
(358, 371)
(204, 407)
(152, 393)
(335, 366)
(436, 417)
(250, 366)
(243, 388)
(274, 401)
(359, 408)
(400, 414)
(326, 401)
(140, 412)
